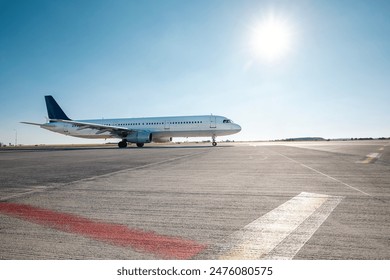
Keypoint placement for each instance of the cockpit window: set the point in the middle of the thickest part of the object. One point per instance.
(227, 121)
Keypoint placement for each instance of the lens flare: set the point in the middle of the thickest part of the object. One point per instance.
(271, 38)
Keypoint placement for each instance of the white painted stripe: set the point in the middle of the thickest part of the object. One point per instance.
(334, 179)
(25, 192)
(323, 174)
(263, 238)
(371, 158)
(290, 246)
(374, 155)
(54, 186)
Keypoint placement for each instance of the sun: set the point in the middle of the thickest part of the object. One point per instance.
(271, 38)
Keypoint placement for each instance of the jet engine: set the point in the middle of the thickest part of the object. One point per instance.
(161, 139)
(139, 137)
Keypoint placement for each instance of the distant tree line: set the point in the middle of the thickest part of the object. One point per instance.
(339, 139)
(370, 138)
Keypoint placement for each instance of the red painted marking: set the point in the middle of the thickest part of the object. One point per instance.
(120, 235)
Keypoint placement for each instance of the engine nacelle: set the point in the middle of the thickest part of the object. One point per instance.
(139, 137)
(161, 139)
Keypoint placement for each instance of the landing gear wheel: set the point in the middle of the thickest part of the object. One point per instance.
(122, 144)
(140, 145)
(214, 142)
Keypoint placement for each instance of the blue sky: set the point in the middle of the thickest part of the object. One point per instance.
(154, 58)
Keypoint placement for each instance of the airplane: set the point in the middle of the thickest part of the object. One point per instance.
(137, 130)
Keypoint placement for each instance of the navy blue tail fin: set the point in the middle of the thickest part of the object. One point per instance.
(54, 111)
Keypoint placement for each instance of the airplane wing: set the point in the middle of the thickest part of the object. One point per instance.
(121, 132)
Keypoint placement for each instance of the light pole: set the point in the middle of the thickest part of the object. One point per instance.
(16, 137)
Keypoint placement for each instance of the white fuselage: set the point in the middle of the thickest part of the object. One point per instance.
(160, 127)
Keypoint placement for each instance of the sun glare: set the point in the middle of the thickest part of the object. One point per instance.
(271, 39)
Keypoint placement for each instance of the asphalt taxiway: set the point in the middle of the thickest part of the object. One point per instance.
(306, 200)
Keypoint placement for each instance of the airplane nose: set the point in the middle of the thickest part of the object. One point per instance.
(237, 128)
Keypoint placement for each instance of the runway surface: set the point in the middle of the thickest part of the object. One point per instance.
(304, 200)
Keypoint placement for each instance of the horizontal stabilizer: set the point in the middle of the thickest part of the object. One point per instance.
(39, 124)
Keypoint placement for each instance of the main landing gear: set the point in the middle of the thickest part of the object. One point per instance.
(122, 144)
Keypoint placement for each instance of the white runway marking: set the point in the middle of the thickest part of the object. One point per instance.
(374, 155)
(38, 189)
(371, 158)
(25, 192)
(282, 232)
(323, 174)
(334, 179)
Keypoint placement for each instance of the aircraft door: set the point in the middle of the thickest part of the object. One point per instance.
(213, 121)
(167, 125)
(66, 130)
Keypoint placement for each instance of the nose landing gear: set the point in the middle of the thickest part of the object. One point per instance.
(214, 142)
